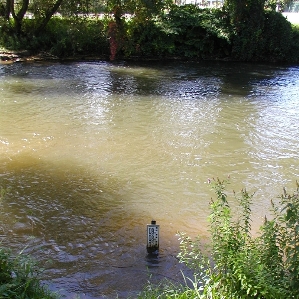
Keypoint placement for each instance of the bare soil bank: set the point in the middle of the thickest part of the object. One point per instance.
(7, 56)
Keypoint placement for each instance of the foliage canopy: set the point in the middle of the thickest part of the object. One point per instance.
(240, 30)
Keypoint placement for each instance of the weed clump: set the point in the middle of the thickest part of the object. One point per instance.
(237, 264)
(19, 277)
(19, 274)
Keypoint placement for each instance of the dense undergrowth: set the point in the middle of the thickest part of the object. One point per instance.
(184, 32)
(238, 265)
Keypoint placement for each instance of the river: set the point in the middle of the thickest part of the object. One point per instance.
(91, 152)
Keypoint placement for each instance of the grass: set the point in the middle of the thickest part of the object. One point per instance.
(237, 264)
(19, 278)
(168, 290)
(19, 274)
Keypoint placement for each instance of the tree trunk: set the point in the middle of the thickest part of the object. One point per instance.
(7, 9)
(18, 17)
(48, 16)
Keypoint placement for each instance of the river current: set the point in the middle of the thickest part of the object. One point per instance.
(91, 152)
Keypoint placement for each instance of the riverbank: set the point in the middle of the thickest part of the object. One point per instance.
(8, 56)
(94, 44)
(11, 56)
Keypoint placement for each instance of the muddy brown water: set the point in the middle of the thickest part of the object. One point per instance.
(91, 152)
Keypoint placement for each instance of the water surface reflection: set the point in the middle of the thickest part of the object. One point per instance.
(92, 152)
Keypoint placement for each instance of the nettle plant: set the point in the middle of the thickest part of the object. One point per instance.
(238, 265)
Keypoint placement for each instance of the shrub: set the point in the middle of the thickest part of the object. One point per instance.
(75, 36)
(281, 41)
(62, 37)
(236, 264)
(147, 38)
(239, 265)
(183, 31)
(199, 33)
(241, 31)
(272, 39)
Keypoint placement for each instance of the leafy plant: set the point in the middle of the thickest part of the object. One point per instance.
(19, 278)
(169, 290)
(182, 31)
(238, 265)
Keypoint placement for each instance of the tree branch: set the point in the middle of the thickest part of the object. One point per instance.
(48, 16)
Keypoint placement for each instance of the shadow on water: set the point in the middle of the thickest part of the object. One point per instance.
(190, 80)
(80, 229)
(89, 161)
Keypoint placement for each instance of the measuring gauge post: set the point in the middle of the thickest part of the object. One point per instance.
(152, 238)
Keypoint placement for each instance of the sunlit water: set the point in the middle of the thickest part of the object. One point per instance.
(92, 152)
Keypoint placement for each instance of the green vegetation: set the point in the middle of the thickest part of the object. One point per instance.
(235, 264)
(19, 278)
(240, 30)
(238, 265)
(19, 275)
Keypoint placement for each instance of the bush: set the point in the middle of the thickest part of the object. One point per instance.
(183, 31)
(236, 264)
(239, 265)
(281, 41)
(273, 39)
(238, 31)
(62, 37)
(76, 36)
(147, 38)
(199, 33)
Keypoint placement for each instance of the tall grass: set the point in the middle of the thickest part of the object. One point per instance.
(168, 290)
(19, 278)
(19, 274)
(238, 265)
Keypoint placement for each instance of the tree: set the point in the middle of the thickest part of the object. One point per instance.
(247, 21)
(15, 13)
(46, 14)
